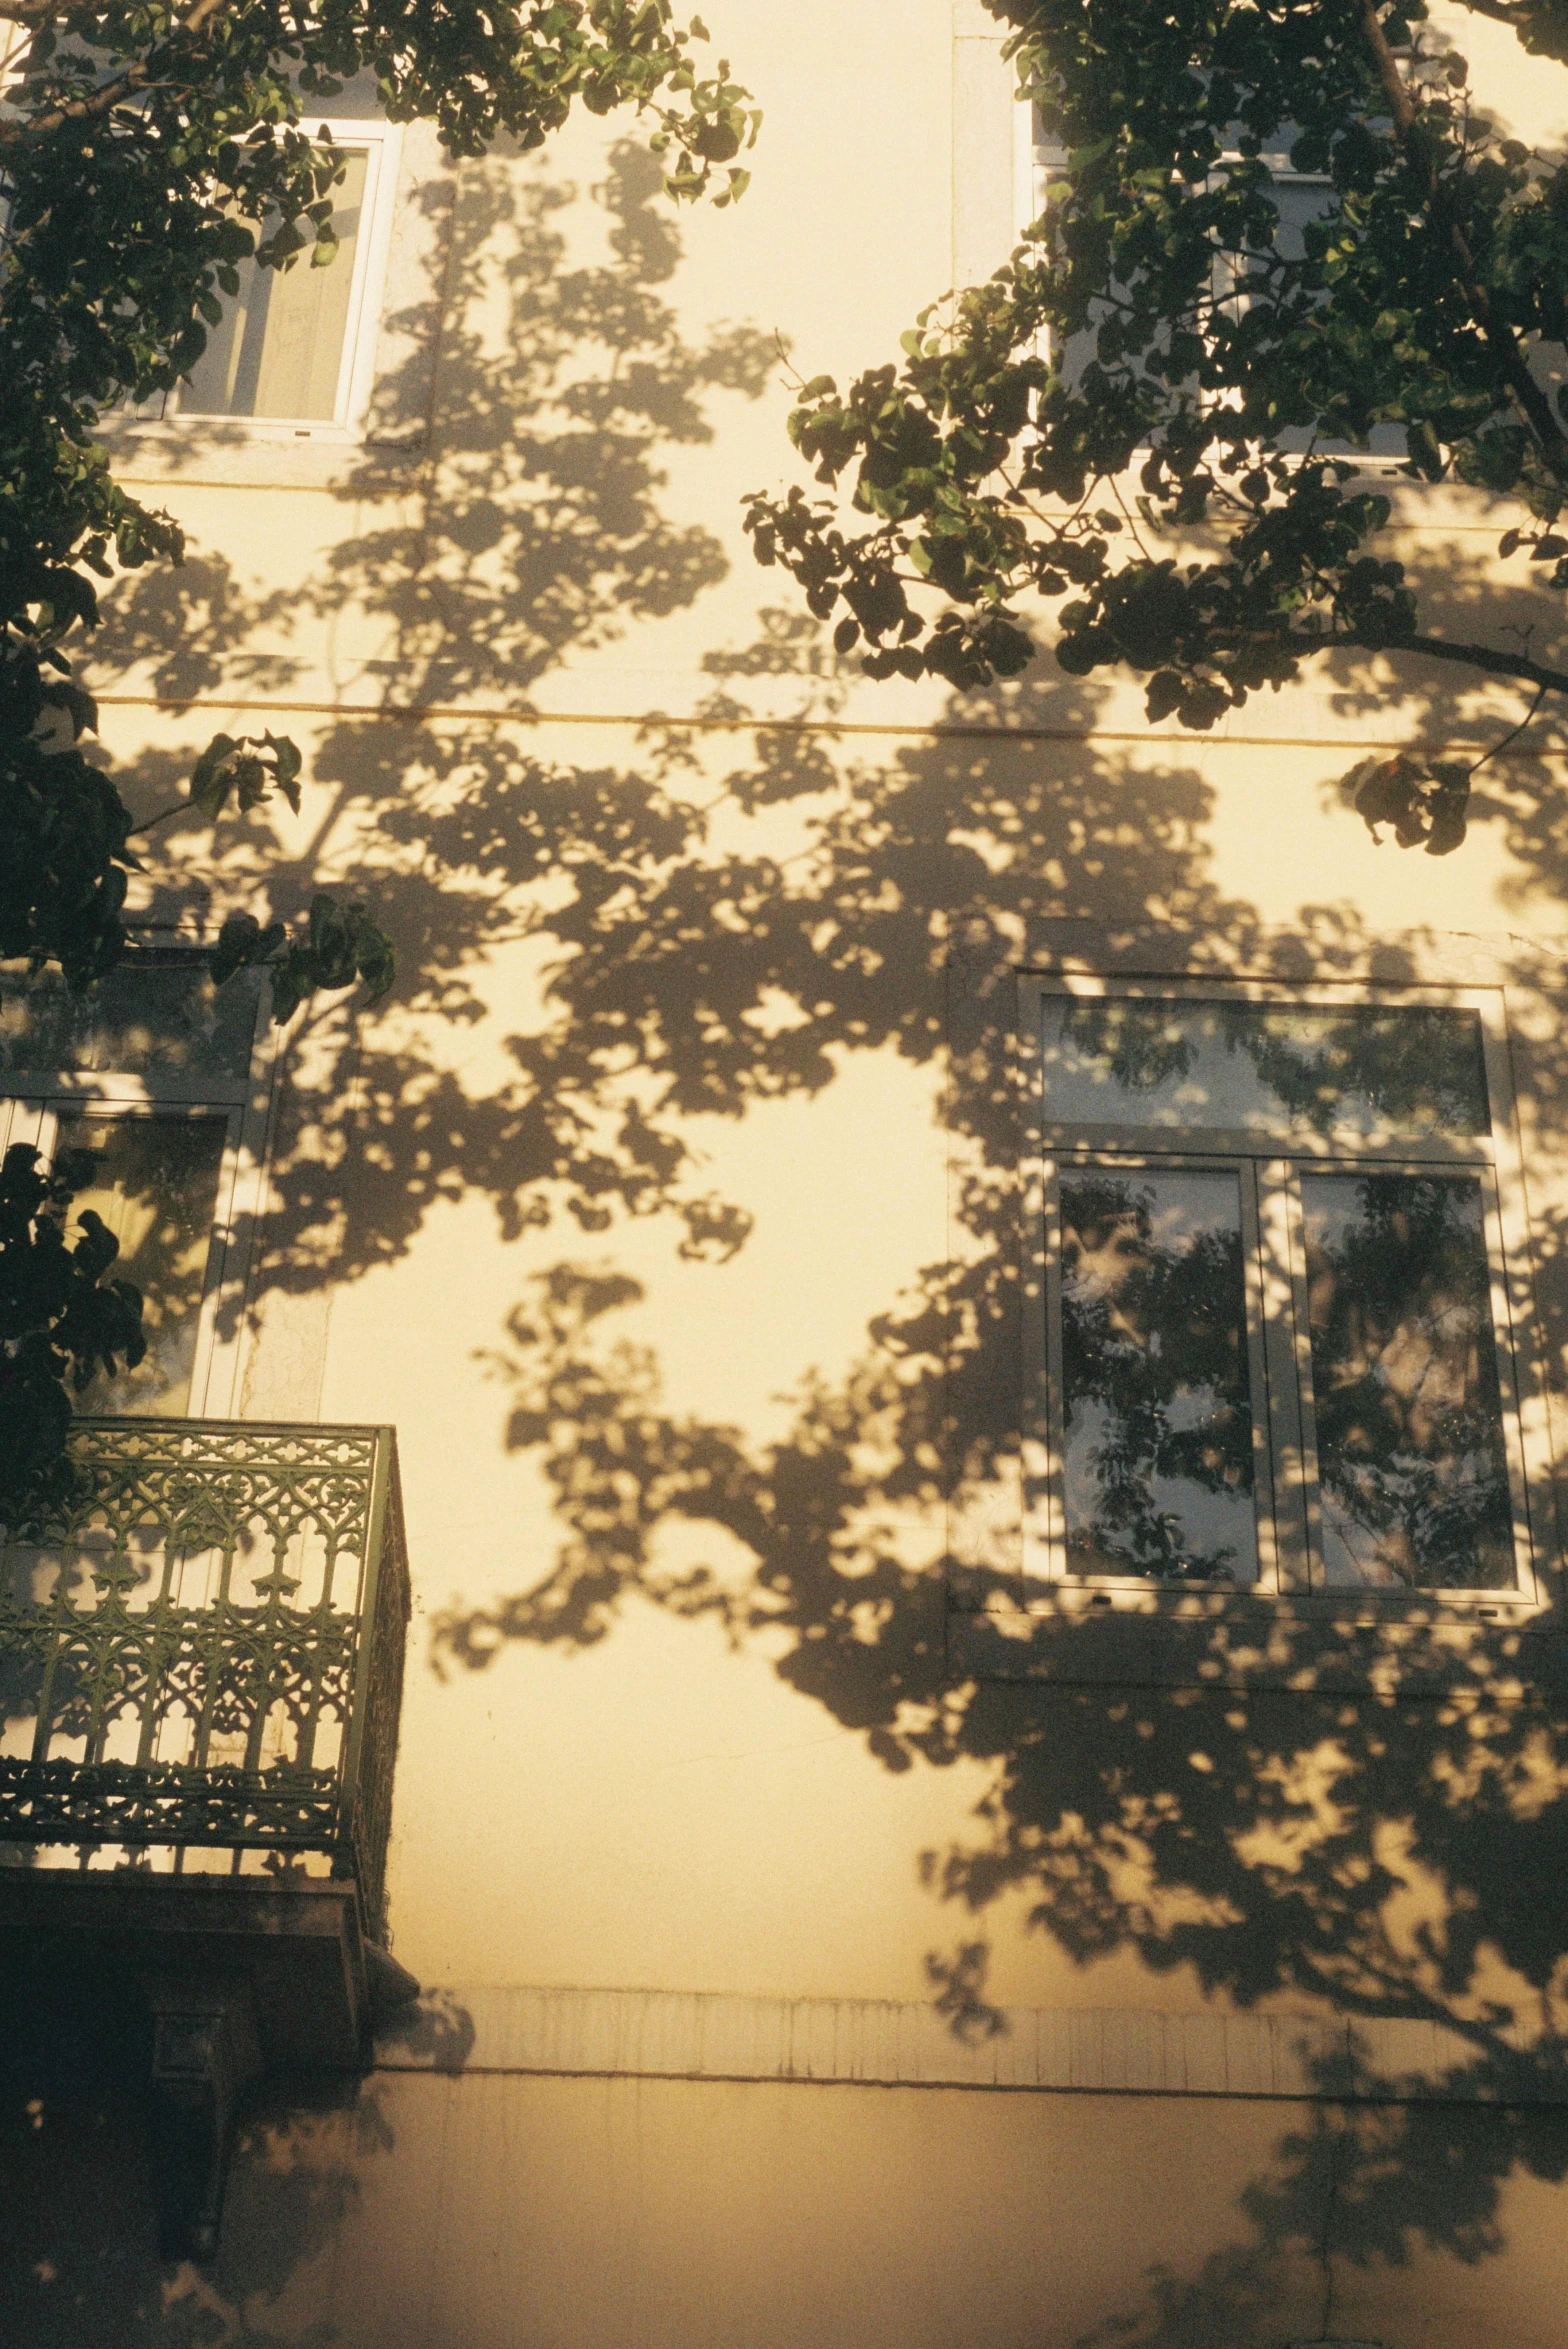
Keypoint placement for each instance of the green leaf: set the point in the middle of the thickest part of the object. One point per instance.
(287, 763)
(212, 776)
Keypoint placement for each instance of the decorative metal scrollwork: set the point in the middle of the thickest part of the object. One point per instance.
(207, 1648)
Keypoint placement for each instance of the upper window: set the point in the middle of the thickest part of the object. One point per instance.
(146, 1078)
(1299, 197)
(295, 350)
(1276, 1351)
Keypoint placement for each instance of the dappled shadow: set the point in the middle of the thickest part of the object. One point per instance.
(688, 935)
(1293, 1834)
(1383, 1859)
(542, 527)
(538, 530)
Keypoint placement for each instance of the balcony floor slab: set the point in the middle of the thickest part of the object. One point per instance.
(314, 1981)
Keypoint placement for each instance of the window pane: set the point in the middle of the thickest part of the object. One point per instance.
(1298, 201)
(1157, 1451)
(1413, 1477)
(1269, 1067)
(279, 349)
(154, 1181)
(144, 1019)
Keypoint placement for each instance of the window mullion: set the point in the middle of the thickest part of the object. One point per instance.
(1055, 1503)
(1505, 1340)
(1289, 1376)
(1271, 1561)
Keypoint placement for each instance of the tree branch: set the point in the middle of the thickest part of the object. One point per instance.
(1469, 656)
(137, 76)
(1400, 103)
(1512, 734)
(179, 807)
(1499, 12)
(1501, 336)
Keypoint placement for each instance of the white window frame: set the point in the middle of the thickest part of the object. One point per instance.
(1031, 168)
(382, 144)
(1289, 1556)
(31, 1101)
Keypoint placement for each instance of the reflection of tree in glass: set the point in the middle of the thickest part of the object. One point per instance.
(1154, 1362)
(1140, 1044)
(1416, 1068)
(154, 1182)
(1409, 1068)
(1404, 1378)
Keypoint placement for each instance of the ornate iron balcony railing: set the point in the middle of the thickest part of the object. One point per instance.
(207, 1652)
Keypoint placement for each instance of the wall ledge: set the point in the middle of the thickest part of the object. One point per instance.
(700, 2035)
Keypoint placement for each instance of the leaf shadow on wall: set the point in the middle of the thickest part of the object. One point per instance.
(538, 529)
(1319, 1846)
(1374, 1856)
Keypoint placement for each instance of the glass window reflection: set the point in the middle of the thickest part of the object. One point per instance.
(1406, 1069)
(279, 348)
(149, 1016)
(154, 1181)
(1158, 1434)
(1411, 1463)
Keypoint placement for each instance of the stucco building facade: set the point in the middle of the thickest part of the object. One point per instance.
(854, 1902)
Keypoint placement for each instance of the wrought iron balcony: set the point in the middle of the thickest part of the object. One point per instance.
(201, 1668)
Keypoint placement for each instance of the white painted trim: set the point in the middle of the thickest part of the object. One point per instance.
(706, 2035)
(1494, 1157)
(984, 146)
(1029, 169)
(381, 143)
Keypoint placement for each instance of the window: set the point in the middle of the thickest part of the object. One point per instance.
(295, 351)
(1276, 1351)
(1298, 196)
(147, 1078)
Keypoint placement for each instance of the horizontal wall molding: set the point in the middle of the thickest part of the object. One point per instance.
(642, 721)
(681, 2035)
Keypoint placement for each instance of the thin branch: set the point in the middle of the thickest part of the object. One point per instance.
(179, 807)
(1513, 733)
(10, 245)
(1501, 336)
(1131, 521)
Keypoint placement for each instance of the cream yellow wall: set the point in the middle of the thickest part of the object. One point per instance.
(571, 612)
(536, 2213)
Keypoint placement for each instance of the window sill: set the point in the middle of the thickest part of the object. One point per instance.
(259, 456)
(1340, 1643)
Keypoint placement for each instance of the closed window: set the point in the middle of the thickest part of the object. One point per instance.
(1298, 197)
(295, 349)
(144, 1081)
(1275, 1349)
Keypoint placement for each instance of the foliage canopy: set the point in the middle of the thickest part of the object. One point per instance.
(60, 1321)
(1155, 415)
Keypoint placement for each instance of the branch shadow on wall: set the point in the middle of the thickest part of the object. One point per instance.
(1330, 1844)
(539, 531)
(702, 935)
